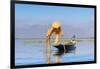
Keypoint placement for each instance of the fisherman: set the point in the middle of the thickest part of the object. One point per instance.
(56, 29)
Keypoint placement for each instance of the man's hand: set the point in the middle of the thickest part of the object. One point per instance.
(47, 40)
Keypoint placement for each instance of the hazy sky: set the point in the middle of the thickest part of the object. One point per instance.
(27, 16)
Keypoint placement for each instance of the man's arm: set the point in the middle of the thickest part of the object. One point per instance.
(48, 36)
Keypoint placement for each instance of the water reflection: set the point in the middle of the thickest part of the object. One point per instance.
(39, 53)
(48, 53)
(59, 53)
(70, 49)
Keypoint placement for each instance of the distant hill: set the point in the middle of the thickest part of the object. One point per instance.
(40, 30)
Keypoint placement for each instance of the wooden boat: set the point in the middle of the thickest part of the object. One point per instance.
(66, 47)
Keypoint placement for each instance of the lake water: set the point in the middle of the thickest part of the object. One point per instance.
(31, 53)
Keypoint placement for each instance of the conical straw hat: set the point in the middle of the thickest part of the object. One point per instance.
(56, 24)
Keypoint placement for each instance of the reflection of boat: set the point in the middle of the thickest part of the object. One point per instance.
(68, 49)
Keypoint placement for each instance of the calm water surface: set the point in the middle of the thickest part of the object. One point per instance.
(35, 53)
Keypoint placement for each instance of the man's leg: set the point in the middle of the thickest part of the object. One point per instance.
(57, 39)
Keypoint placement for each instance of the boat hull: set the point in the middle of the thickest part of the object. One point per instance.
(66, 47)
